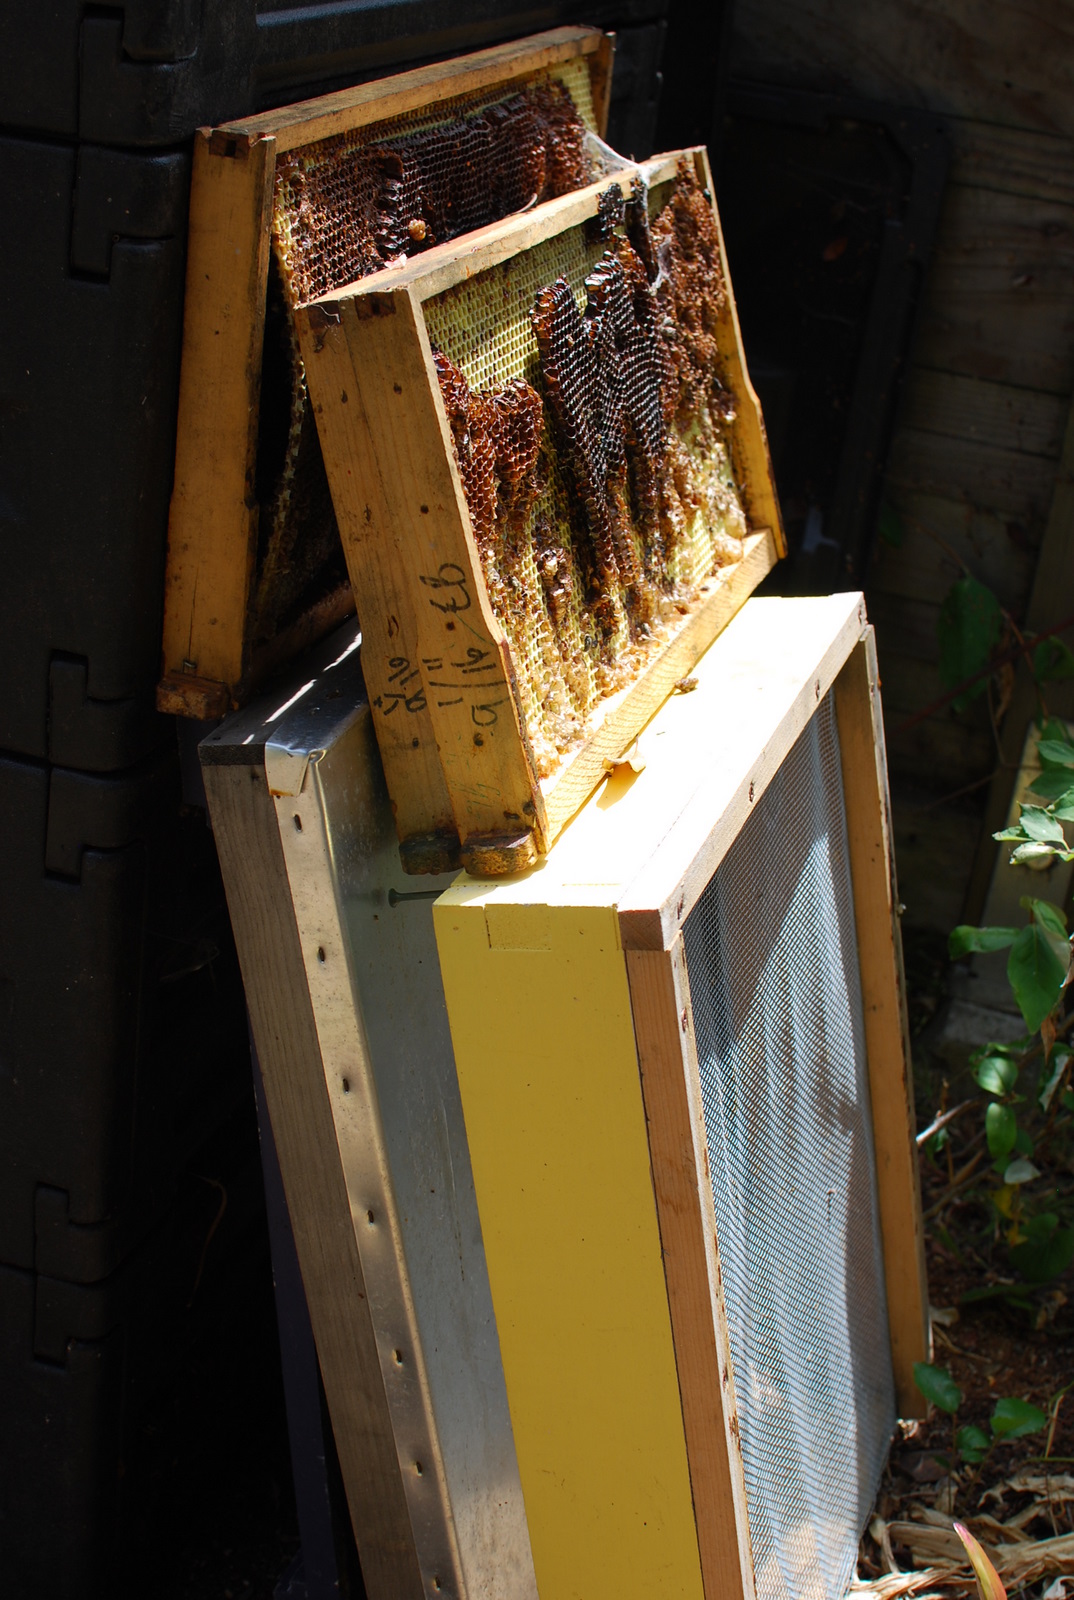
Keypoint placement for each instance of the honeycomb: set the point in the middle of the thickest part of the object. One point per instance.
(592, 427)
(348, 206)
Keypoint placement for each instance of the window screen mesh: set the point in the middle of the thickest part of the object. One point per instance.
(772, 961)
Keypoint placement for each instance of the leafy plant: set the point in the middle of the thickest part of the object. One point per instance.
(1010, 1419)
(1026, 1083)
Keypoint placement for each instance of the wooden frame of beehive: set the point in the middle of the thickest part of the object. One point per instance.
(458, 749)
(211, 660)
(577, 1040)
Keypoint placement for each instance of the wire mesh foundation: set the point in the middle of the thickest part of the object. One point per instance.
(597, 468)
(775, 990)
(344, 208)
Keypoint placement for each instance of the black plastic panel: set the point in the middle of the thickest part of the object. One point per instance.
(123, 1037)
(84, 1368)
(91, 285)
(151, 71)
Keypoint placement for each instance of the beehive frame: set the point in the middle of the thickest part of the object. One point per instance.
(209, 659)
(574, 1039)
(456, 757)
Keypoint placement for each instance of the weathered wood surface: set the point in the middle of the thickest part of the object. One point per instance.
(999, 300)
(997, 414)
(1013, 160)
(247, 835)
(935, 847)
(1010, 64)
(678, 1150)
(947, 749)
(887, 1036)
(992, 369)
(402, 513)
(941, 539)
(212, 530)
(312, 120)
(1007, 481)
(368, 521)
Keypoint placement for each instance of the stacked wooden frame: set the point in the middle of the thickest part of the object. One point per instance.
(461, 772)
(576, 1048)
(568, 1424)
(211, 660)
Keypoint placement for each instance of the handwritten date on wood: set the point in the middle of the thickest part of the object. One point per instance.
(479, 666)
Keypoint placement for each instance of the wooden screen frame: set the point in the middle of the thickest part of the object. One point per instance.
(209, 665)
(608, 906)
(671, 1088)
(460, 772)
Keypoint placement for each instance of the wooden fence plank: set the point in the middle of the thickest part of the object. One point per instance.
(999, 299)
(941, 538)
(999, 414)
(1012, 160)
(1005, 481)
(1012, 64)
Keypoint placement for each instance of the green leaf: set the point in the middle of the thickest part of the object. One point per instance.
(1048, 915)
(938, 1386)
(1020, 1171)
(1039, 825)
(1005, 1047)
(1036, 970)
(968, 628)
(1052, 659)
(1033, 854)
(996, 1074)
(1013, 1419)
(989, 1583)
(1051, 785)
(1063, 807)
(892, 530)
(1001, 1129)
(1014, 1294)
(972, 1443)
(1056, 753)
(963, 940)
(1039, 1259)
(1060, 1057)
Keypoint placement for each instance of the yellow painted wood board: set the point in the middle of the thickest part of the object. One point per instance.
(556, 1128)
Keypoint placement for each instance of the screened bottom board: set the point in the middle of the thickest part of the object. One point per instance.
(771, 953)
